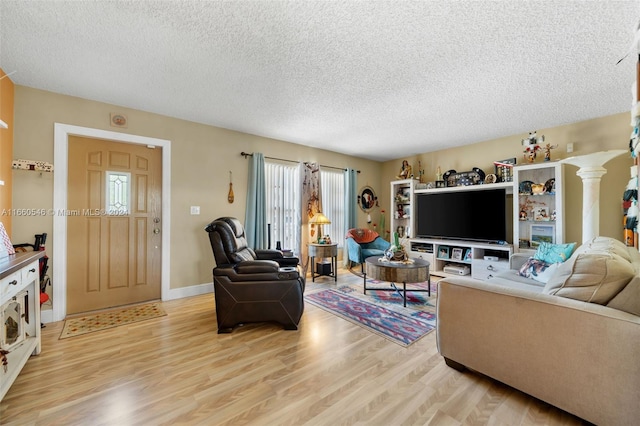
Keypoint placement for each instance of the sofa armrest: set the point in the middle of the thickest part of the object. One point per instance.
(354, 251)
(578, 356)
(517, 260)
(268, 254)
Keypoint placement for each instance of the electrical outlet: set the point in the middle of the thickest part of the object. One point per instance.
(570, 147)
(195, 210)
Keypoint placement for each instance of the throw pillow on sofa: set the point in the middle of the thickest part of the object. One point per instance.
(595, 277)
(538, 270)
(554, 253)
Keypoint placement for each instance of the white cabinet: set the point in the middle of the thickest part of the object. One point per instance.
(462, 258)
(402, 214)
(19, 313)
(538, 208)
(484, 269)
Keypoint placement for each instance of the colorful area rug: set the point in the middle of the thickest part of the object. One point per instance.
(381, 311)
(103, 320)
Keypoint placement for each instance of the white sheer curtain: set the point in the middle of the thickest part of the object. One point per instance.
(283, 203)
(332, 184)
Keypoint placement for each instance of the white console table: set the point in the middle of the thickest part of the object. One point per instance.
(19, 286)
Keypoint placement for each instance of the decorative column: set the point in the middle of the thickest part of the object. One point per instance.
(591, 171)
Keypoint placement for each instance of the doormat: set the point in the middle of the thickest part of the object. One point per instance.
(401, 326)
(104, 320)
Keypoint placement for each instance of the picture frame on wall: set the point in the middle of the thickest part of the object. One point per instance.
(456, 254)
(443, 252)
(367, 199)
(542, 233)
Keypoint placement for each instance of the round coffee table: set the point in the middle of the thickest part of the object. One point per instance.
(397, 272)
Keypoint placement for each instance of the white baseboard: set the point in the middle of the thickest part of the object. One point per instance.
(193, 290)
(46, 316)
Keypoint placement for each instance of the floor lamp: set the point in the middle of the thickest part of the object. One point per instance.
(591, 171)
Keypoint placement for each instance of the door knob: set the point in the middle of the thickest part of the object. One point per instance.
(156, 231)
(156, 220)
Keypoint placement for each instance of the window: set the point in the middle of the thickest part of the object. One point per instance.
(118, 193)
(283, 203)
(332, 194)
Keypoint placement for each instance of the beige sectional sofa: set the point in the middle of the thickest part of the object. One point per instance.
(573, 342)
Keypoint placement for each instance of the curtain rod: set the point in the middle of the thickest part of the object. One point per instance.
(247, 154)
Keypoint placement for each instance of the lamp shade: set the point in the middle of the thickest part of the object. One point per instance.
(319, 219)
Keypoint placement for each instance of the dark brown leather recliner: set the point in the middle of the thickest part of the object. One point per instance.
(253, 286)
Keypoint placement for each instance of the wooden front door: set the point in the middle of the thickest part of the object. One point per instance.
(113, 224)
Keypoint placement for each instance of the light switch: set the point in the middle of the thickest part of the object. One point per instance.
(195, 210)
(570, 147)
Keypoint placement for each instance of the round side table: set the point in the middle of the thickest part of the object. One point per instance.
(323, 251)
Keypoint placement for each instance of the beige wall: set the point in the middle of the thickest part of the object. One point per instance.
(611, 132)
(201, 159)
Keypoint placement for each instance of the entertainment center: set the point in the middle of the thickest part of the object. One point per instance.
(463, 230)
(468, 229)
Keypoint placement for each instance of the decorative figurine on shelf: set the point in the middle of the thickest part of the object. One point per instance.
(420, 172)
(523, 214)
(532, 146)
(406, 171)
(538, 188)
(547, 151)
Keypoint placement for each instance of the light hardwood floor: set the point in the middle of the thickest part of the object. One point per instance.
(178, 370)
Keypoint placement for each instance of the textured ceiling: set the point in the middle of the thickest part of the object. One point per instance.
(380, 80)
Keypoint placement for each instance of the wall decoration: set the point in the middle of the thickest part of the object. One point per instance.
(367, 198)
(230, 196)
(118, 120)
(39, 166)
(311, 190)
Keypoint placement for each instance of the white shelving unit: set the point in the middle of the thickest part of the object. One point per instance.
(538, 217)
(402, 213)
(507, 185)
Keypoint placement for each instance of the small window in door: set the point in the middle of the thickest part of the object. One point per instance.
(118, 195)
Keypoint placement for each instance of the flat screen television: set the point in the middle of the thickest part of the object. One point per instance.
(475, 215)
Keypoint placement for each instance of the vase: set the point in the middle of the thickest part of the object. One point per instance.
(399, 255)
